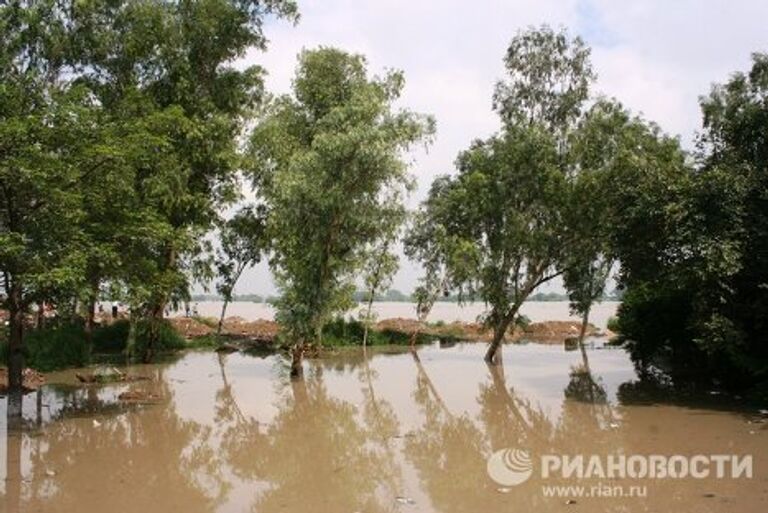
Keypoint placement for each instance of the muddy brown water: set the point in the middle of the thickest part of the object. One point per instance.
(385, 433)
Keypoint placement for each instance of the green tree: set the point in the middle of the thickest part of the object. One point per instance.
(696, 298)
(49, 145)
(380, 261)
(242, 244)
(500, 219)
(170, 67)
(326, 160)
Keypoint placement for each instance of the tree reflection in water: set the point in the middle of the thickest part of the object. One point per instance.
(317, 456)
(136, 456)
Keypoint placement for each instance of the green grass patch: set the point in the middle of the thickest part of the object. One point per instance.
(349, 332)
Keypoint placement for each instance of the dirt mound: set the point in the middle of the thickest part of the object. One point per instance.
(31, 380)
(555, 332)
(401, 325)
(259, 329)
(190, 328)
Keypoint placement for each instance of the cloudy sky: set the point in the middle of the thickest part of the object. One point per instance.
(655, 56)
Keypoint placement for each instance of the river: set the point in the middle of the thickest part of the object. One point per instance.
(382, 432)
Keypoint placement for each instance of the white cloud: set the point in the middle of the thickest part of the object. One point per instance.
(655, 56)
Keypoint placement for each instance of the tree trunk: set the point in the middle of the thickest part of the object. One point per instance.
(221, 318)
(582, 333)
(40, 315)
(158, 309)
(367, 320)
(90, 314)
(90, 317)
(155, 320)
(493, 356)
(297, 354)
(15, 342)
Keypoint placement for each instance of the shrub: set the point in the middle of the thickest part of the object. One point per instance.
(57, 348)
(613, 324)
(111, 338)
(114, 337)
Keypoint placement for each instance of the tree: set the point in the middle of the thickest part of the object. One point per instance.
(700, 275)
(169, 65)
(599, 147)
(501, 216)
(326, 160)
(49, 144)
(242, 240)
(380, 267)
(380, 263)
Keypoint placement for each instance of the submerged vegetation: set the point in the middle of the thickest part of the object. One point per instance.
(127, 137)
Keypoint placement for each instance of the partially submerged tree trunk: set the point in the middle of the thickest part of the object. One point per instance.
(221, 318)
(158, 309)
(367, 320)
(155, 320)
(493, 355)
(297, 356)
(15, 343)
(582, 333)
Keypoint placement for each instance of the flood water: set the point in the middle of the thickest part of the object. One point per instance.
(536, 311)
(385, 433)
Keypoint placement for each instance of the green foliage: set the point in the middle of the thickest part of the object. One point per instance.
(57, 348)
(613, 324)
(693, 244)
(328, 164)
(205, 342)
(242, 241)
(113, 338)
(494, 230)
(349, 332)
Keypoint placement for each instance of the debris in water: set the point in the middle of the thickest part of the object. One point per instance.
(50, 473)
(614, 425)
(405, 500)
(570, 502)
(503, 490)
(135, 395)
(708, 495)
(96, 423)
(762, 412)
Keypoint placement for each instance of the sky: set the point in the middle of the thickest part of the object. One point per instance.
(655, 56)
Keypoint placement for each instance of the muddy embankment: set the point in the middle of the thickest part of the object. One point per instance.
(264, 332)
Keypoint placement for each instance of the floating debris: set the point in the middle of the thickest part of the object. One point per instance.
(405, 500)
(137, 396)
(570, 502)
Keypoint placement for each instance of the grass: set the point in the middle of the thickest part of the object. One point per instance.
(349, 332)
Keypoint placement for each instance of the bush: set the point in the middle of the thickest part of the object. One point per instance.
(113, 338)
(343, 332)
(523, 321)
(57, 348)
(613, 324)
